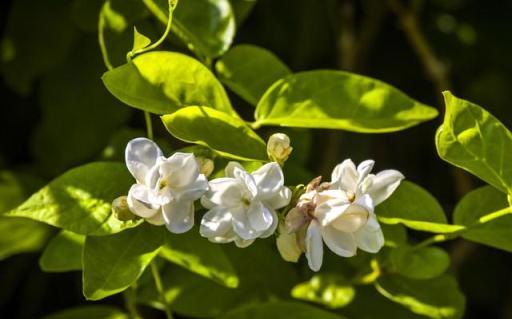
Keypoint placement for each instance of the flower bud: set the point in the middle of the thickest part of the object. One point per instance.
(206, 165)
(278, 148)
(121, 211)
(287, 245)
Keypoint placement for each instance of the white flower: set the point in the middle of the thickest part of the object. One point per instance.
(166, 188)
(242, 205)
(341, 213)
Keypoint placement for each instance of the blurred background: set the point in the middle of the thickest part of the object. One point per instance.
(55, 113)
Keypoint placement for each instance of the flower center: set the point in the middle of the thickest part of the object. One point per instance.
(351, 197)
(162, 184)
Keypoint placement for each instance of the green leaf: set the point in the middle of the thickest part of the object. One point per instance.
(63, 253)
(242, 9)
(279, 309)
(249, 71)
(206, 26)
(228, 136)
(416, 208)
(330, 290)
(421, 263)
(34, 26)
(473, 139)
(140, 41)
(394, 235)
(80, 200)
(339, 100)
(89, 312)
(477, 204)
(200, 256)
(112, 263)
(21, 235)
(438, 298)
(11, 191)
(163, 82)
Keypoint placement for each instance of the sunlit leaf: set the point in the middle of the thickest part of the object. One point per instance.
(112, 263)
(241, 69)
(473, 139)
(163, 82)
(80, 200)
(329, 290)
(229, 136)
(339, 100)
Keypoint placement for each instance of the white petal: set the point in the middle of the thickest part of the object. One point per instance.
(194, 190)
(260, 217)
(314, 246)
(272, 229)
(242, 243)
(242, 225)
(345, 176)
(331, 209)
(353, 219)
(157, 219)
(364, 168)
(139, 203)
(269, 179)
(179, 216)
(236, 171)
(140, 155)
(215, 223)
(179, 170)
(365, 201)
(279, 199)
(370, 238)
(341, 243)
(223, 191)
(383, 185)
(288, 247)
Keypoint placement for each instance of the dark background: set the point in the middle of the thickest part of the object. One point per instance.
(470, 40)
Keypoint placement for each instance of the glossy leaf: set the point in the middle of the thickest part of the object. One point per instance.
(63, 253)
(163, 82)
(207, 27)
(339, 100)
(229, 136)
(241, 70)
(80, 200)
(112, 263)
(438, 298)
(421, 263)
(416, 208)
(89, 312)
(473, 139)
(474, 207)
(200, 256)
(34, 26)
(329, 290)
(279, 309)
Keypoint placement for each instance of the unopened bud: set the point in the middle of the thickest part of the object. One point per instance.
(288, 246)
(278, 148)
(206, 165)
(121, 210)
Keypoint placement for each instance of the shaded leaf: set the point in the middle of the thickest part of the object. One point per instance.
(88, 312)
(21, 235)
(279, 309)
(63, 253)
(420, 263)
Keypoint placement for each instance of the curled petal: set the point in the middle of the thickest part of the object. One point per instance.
(364, 168)
(260, 217)
(331, 209)
(272, 229)
(341, 243)
(383, 185)
(140, 155)
(279, 199)
(236, 171)
(179, 170)
(314, 246)
(194, 190)
(370, 238)
(139, 202)
(345, 176)
(179, 216)
(242, 225)
(224, 192)
(269, 179)
(216, 223)
(353, 219)
(157, 219)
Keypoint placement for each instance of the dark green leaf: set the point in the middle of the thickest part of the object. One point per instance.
(63, 253)
(420, 263)
(279, 309)
(89, 312)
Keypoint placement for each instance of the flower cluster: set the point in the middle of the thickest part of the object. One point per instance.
(243, 206)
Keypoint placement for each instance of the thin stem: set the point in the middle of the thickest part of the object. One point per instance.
(160, 290)
(130, 302)
(101, 39)
(149, 124)
(172, 6)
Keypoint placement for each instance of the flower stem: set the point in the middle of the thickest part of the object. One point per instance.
(101, 38)
(130, 302)
(172, 6)
(160, 289)
(149, 125)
